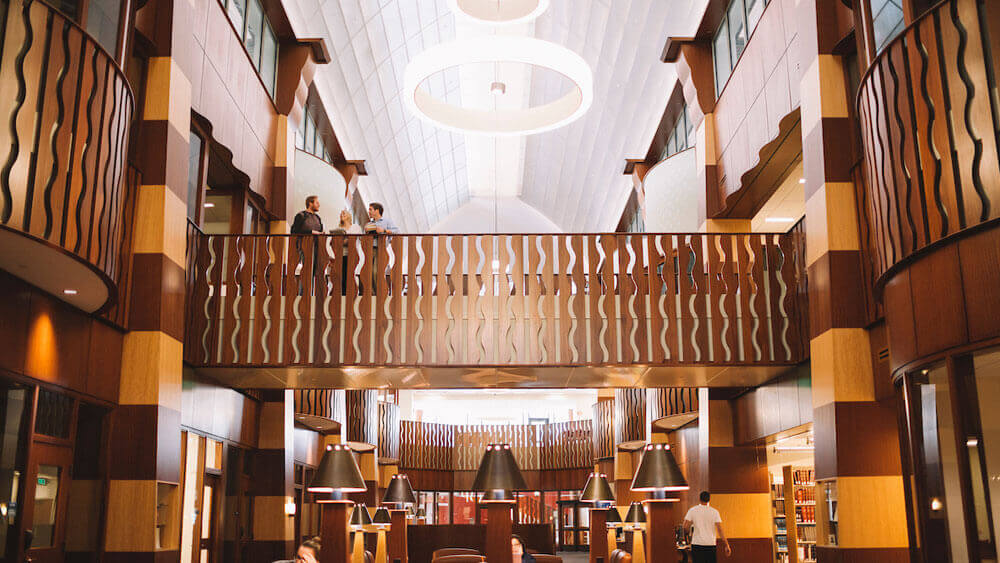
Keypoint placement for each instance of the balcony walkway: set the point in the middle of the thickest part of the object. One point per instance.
(496, 310)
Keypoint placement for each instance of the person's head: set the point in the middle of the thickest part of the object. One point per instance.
(375, 210)
(312, 203)
(309, 547)
(705, 497)
(345, 218)
(516, 545)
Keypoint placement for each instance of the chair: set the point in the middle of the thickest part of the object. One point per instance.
(369, 558)
(446, 551)
(464, 558)
(620, 556)
(543, 558)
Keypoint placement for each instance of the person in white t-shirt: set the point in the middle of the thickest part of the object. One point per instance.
(707, 524)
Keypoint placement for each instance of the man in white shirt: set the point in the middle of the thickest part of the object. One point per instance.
(707, 524)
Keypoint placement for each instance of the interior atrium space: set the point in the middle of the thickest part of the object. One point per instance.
(504, 281)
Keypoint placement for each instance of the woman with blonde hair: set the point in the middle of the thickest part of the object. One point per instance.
(347, 224)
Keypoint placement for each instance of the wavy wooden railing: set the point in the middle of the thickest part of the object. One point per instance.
(118, 313)
(491, 300)
(671, 401)
(930, 127)
(323, 403)
(561, 445)
(65, 111)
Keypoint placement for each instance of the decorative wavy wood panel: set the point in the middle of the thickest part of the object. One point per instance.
(362, 416)
(929, 117)
(566, 445)
(388, 432)
(66, 109)
(491, 300)
(629, 415)
(670, 401)
(604, 430)
(325, 403)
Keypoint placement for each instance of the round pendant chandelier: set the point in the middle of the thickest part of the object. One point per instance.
(499, 49)
(499, 12)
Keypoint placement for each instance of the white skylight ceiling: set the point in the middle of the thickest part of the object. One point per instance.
(422, 174)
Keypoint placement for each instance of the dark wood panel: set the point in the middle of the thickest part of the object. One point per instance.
(777, 406)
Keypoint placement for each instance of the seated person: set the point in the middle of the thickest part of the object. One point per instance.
(519, 550)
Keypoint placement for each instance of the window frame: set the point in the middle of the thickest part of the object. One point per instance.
(734, 57)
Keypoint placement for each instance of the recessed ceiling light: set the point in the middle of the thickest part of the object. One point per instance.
(802, 180)
(779, 219)
(70, 291)
(209, 204)
(498, 88)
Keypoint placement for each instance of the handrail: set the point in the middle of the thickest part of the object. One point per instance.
(930, 133)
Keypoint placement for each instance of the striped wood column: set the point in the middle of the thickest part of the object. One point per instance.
(737, 479)
(146, 425)
(857, 448)
(272, 485)
(362, 430)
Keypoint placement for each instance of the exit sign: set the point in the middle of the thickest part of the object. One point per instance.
(43, 481)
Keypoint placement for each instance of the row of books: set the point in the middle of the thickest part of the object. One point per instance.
(805, 514)
(805, 495)
(803, 476)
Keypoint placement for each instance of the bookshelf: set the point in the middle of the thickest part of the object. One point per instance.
(798, 506)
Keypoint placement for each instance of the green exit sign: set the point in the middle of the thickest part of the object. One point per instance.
(43, 481)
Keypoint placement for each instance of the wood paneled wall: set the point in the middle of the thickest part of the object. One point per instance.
(434, 301)
(226, 91)
(48, 340)
(630, 415)
(762, 90)
(604, 429)
(780, 405)
(388, 432)
(221, 412)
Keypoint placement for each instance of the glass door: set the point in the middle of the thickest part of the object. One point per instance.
(209, 519)
(45, 494)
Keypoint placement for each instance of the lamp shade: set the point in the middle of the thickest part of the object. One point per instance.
(497, 495)
(360, 516)
(636, 514)
(382, 516)
(597, 489)
(658, 471)
(399, 491)
(614, 517)
(338, 472)
(498, 470)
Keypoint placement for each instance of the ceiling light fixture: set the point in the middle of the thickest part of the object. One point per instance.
(496, 49)
(70, 291)
(802, 180)
(209, 204)
(492, 12)
(779, 219)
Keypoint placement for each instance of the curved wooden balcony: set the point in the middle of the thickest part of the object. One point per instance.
(930, 125)
(65, 111)
(474, 310)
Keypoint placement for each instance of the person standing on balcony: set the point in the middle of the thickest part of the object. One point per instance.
(378, 223)
(707, 524)
(308, 222)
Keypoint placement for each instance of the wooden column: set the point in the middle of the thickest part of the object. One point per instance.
(857, 446)
(335, 534)
(273, 481)
(598, 534)
(143, 494)
(499, 529)
(397, 537)
(737, 479)
(661, 543)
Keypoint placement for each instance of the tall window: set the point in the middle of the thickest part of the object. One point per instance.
(681, 136)
(887, 21)
(732, 36)
(258, 37)
(309, 138)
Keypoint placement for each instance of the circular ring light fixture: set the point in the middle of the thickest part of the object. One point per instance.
(495, 49)
(499, 12)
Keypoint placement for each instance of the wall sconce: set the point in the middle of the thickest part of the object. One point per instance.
(290, 508)
(936, 504)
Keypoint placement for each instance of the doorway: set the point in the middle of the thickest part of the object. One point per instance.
(46, 492)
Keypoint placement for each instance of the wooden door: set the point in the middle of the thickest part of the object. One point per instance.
(46, 494)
